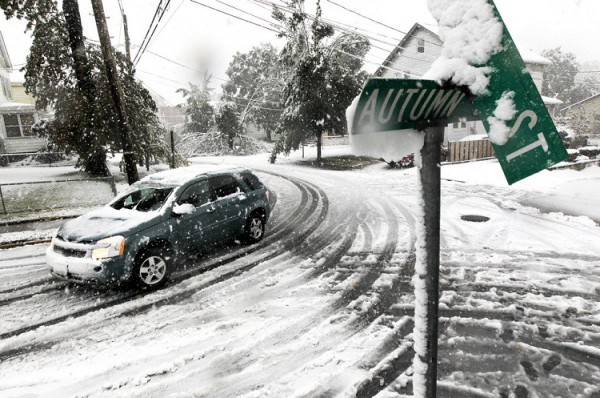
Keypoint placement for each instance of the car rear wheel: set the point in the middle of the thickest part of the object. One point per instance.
(255, 228)
(152, 268)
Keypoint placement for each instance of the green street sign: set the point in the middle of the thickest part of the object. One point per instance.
(397, 104)
(535, 144)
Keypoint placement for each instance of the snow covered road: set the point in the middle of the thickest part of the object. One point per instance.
(323, 306)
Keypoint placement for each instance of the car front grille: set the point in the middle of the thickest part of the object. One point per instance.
(69, 252)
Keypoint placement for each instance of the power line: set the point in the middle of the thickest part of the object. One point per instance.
(149, 29)
(339, 26)
(182, 65)
(267, 28)
(245, 12)
(145, 46)
(375, 21)
(171, 17)
(162, 77)
(234, 16)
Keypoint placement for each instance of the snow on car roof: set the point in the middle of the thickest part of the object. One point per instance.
(181, 175)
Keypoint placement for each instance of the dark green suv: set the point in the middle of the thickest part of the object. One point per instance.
(158, 222)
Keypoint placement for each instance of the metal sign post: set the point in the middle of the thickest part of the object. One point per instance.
(430, 176)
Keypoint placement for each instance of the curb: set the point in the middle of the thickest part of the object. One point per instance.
(37, 219)
(20, 243)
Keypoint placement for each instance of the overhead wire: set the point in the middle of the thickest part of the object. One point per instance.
(245, 12)
(339, 26)
(149, 28)
(144, 47)
(171, 17)
(233, 16)
(377, 22)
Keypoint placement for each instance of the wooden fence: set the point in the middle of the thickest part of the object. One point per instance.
(460, 151)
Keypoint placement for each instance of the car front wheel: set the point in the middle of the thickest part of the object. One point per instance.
(255, 228)
(152, 268)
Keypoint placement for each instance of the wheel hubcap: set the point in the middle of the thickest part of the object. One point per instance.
(256, 228)
(153, 270)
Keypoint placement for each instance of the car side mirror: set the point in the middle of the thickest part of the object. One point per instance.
(181, 209)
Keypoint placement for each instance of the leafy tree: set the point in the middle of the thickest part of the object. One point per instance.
(325, 76)
(228, 122)
(583, 90)
(255, 85)
(199, 109)
(62, 73)
(559, 77)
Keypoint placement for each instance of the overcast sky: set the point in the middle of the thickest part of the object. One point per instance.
(191, 37)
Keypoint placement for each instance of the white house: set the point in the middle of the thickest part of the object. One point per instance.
(420, 47)
(16, 118)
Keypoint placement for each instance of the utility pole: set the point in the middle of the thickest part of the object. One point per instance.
(116, 91)
(126, 32)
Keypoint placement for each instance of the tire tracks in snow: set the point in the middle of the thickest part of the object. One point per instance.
(384, 370)
(286, 236)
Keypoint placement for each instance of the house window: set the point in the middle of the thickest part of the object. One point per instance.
(463, 123)
(455, 125)
(19, 125)
(421, 45)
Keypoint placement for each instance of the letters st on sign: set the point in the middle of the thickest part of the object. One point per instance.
(397, 104)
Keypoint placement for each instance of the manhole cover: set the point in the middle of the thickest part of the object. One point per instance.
(474, 218)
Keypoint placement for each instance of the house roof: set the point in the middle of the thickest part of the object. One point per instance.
(551, 101)
(4, 58)
(530, 57)
(580, 102)
(402, 45)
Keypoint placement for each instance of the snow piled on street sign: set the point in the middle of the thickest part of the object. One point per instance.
(471, 34)
(388, 145)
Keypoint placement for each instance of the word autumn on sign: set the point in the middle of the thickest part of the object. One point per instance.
(398, 104)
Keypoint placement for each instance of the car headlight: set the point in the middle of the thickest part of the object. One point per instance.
(109, 247)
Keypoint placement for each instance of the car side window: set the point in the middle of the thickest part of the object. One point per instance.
(222, 186)
(143, 199)
(153, 200)
(251, 180)
(196, 194)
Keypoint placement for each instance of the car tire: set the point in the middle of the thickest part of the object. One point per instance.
(152, 268)
(255, 228)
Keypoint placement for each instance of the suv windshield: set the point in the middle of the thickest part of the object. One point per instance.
(143, 199)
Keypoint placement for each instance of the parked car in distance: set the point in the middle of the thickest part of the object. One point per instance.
(159, 221)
